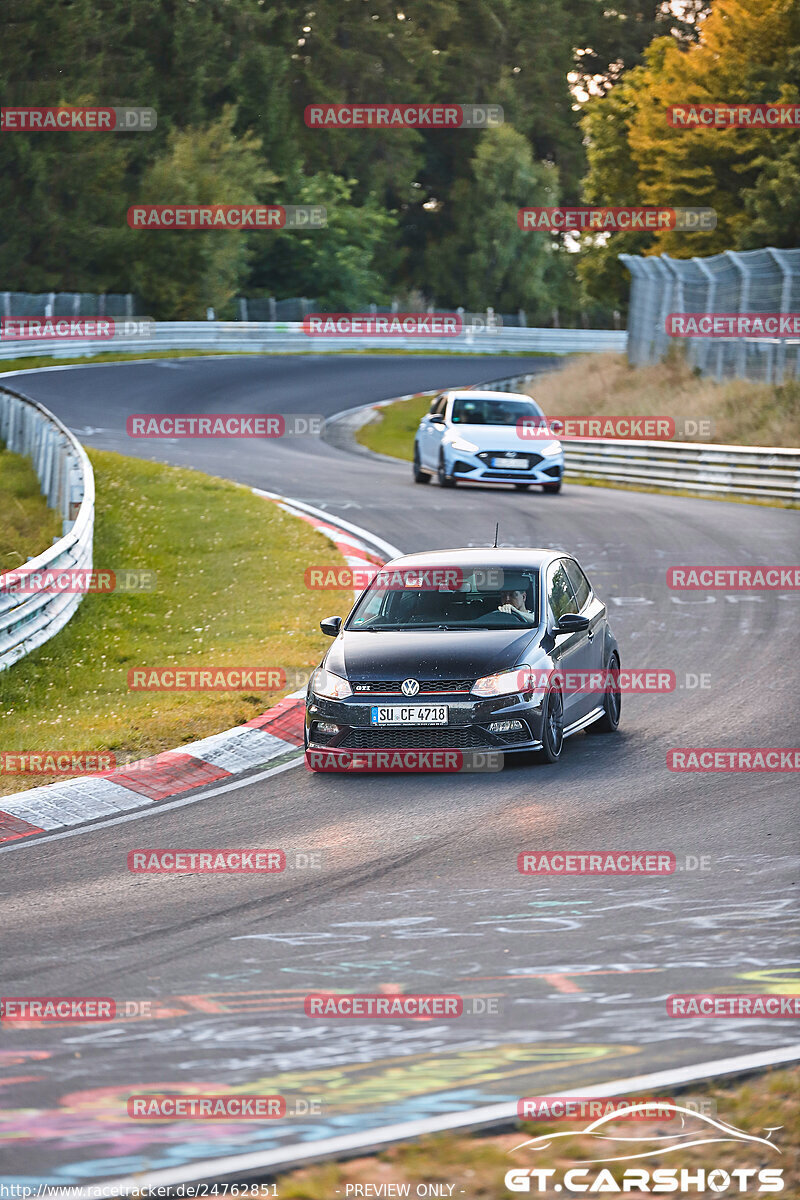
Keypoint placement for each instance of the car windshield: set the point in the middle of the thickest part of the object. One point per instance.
(447, 598)
(493, 412)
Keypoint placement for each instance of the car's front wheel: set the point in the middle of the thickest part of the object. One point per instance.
(552, 726)
(612, 706)
(445, 480)
(552, 488)
(420, 476)
(522, 487)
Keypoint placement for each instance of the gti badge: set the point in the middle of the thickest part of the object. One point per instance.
(409, 687)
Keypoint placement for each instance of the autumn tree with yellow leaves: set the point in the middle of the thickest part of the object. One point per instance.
(748, 53)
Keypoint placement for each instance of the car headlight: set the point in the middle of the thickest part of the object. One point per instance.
(462, 444)
(550, 450)
(504, 683)
(330, 686)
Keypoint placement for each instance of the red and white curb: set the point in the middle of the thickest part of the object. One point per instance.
(222, 756)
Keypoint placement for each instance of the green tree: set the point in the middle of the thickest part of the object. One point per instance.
(487, 259)
(178, 273)
(344, 266)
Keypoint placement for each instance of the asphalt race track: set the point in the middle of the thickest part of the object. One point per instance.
(418, 890)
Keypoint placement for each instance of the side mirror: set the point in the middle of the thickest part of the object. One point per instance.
(438, 419)
(332, 625)
(572, 623)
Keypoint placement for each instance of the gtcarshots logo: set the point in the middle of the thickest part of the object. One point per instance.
(383, 325)
(223, 425)
(387, 115)
(79, 117)
(697, 1128)
(227, 216)
(68, 328)
(591, 219)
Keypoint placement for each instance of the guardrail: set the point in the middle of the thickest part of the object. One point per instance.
(288, 336)
(747, 472)
(27, 620)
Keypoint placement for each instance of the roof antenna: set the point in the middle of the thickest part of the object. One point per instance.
(496, 534)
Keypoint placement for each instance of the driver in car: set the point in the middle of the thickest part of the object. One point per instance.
(514, 602)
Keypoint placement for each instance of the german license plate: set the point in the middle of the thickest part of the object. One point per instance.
(413, 714)
(510, 464)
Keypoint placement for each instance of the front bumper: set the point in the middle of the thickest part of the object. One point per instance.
(469, 724)
(478, 467)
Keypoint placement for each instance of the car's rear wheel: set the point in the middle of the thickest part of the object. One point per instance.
(552, 488)
(612, 706)
(552, 726)
(445, 480)
(522, 487)
(420, 476)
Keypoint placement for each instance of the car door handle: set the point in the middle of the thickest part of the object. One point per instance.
(590, 635)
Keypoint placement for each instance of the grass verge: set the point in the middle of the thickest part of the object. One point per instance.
(741, 412)
(476, 1164)
(393, 432)
(229, 593)
(27, 525)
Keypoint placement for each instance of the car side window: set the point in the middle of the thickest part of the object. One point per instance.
(580, 584)
(438, 406)
(560, 596)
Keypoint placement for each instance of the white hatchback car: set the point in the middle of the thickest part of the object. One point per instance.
(477, 436)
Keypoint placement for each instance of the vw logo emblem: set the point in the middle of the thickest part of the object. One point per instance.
(409, 687)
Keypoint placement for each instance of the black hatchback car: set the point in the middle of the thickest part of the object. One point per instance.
(476, 649)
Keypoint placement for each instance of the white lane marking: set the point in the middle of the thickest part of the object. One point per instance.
(154, 810)
(216, 1169)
